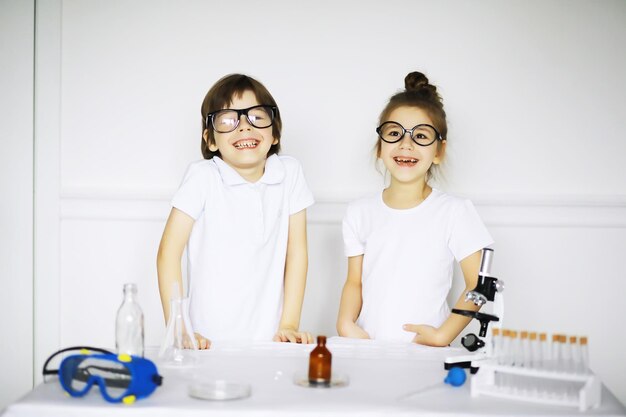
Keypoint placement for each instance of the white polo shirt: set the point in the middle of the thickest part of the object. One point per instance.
(408, 259)
(237, 248)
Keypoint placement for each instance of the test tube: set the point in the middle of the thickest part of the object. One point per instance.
(566, 354)
(496, 352)
(516, 360)
(535, 384)
(574, 349)
(515, 349)
(505, 346)
(525, 383)
(584, 355)
(495, 343)
(502, 379)
(572, 353)
(555, 356)
(545, 350)
(535, 351)
(525, 350)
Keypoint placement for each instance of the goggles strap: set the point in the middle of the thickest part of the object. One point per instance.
(77, 348)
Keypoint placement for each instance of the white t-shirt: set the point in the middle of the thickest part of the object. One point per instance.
(409, 258)
(237, 247)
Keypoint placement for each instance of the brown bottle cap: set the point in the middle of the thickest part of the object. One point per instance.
(543, 337)
(583, 340)
(524, 334)
(573, 339)
(533, 335)
(555, 338)
(514, 334)
(495, 331)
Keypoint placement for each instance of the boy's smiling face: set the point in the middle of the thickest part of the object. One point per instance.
(245, 148)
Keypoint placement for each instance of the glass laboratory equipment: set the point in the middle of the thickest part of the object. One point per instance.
(179, 343)
(129, 334)
(320, 363)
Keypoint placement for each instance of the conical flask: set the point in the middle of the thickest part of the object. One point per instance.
(179, 345)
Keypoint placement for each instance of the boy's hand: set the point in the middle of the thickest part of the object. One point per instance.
(351, 329)
(426, 335)
(292, 336)
(203, 342)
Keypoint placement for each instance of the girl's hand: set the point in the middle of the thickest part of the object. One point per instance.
(352, 330)
(292, 336)
(203, 342)
(426, 335)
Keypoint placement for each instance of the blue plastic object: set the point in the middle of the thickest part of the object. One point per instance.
(121, 378)
(456, 377)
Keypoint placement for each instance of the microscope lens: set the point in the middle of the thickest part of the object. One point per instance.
(485, 262)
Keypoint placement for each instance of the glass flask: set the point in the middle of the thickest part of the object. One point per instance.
(129, 336)
(179, 343)
(320, 363)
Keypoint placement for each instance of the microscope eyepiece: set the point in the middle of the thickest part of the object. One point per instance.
(485, 262)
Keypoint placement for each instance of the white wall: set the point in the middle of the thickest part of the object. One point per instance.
(534, 94)
(16, 188)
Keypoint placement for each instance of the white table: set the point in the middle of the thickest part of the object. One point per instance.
(380, 374)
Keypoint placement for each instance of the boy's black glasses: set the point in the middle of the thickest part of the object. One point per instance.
(227, 120)
(422, 135)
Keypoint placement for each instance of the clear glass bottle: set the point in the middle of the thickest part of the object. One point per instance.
(320, 363)
(129, 324)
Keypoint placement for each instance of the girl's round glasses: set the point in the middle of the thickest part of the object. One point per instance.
(423, 135)
(227, 120)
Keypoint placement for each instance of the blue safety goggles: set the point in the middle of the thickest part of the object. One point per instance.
(121, 378)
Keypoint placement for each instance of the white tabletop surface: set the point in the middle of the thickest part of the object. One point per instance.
(381, 378)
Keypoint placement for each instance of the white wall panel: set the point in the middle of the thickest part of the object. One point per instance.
(98, 257)
(47, 150)
(533, 91)
(16, 189)
(534, 95)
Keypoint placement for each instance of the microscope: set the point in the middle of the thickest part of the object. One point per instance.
(486, 290)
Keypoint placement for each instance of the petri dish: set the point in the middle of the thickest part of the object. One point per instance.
(219, 390)
(336, 381)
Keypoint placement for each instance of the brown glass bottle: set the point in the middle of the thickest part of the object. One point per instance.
(320, 363)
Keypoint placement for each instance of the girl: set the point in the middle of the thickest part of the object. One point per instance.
(401, 243)
(241, 212)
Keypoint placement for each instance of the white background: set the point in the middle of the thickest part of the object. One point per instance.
(16, 204)
(534, 93)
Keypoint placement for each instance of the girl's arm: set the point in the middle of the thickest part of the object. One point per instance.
(175, 237)
(351, 301)
(296, 265)
(455, 323)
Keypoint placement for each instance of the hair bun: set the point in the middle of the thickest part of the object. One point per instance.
(417, 82)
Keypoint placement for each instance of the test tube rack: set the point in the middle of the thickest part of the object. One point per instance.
(558, 388)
